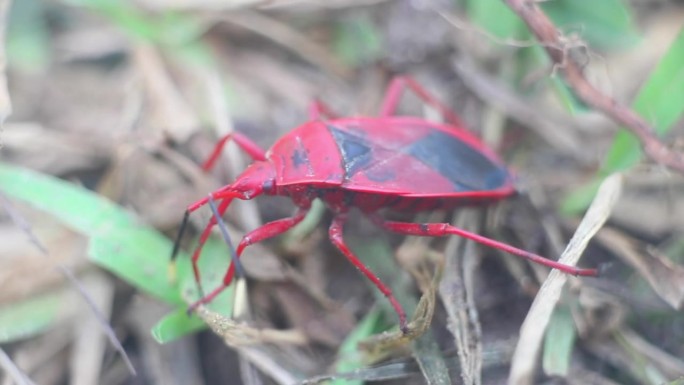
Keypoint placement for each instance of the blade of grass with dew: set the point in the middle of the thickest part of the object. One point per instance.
(378, 256)
(537, 319)
(559, 342)
(661, 102)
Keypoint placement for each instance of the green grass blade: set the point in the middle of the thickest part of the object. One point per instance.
(661, 102)
(349, 357)
(133, 251)
(140, 257)
(357, 41)
(175, 325)
(213, 265)
(118, 241)
(559, 342)
(606, 24)
(495, 17)
(30, 317)
(28, 37)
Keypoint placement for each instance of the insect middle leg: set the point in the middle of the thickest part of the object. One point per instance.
(336, 237)
(397, 88)
(269, 230)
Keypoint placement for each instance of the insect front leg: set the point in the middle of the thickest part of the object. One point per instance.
(397, 88)
(257, 179)
(223, 206)
(269, 230)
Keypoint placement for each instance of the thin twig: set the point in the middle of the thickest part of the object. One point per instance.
(13, 372)
(557, 46)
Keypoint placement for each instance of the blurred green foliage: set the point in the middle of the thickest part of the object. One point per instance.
(119, 242)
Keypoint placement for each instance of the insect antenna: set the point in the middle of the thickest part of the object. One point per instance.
(176, 245)
(239, 271)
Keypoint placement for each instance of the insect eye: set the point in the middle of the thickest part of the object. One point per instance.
(268, 185)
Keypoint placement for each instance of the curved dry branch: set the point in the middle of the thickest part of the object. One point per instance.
(557, 47)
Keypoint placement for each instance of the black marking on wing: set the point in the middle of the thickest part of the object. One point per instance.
(356, 152)
(466, 168)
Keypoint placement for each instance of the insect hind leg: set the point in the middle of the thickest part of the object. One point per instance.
(336, 237)
(444, 229)
(396, 89)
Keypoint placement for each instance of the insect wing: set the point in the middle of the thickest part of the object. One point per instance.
(416, 158)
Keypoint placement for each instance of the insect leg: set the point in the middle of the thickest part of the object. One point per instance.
(397, 88)
(223, 206)
(245, 187)
(206, 232)
(336, 237)
(262, 233)
(246, 144)
(318, 109)
(444, 229)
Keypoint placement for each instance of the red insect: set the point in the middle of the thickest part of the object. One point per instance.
(396, 162)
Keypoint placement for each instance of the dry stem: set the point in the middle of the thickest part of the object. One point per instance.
(557, 48)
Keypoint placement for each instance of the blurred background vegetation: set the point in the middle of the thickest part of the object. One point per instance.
(116, 102)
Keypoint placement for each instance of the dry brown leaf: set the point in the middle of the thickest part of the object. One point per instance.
(456, 291)
(239, 333)
(68, 151)
(324, 326)
(670, 365)
(290, 38)
(172, 113)
(381, 346)
(664, 276)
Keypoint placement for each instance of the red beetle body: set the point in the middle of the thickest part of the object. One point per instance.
(400, 163)
(403, 163)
